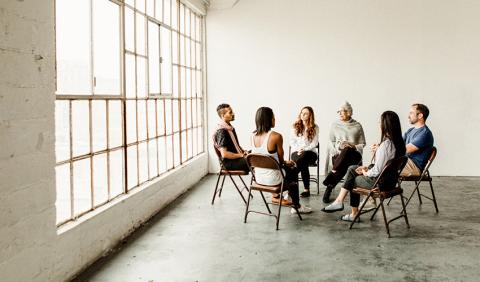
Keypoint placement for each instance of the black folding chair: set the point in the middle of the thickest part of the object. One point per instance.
(255, 161)
(313, 177)
(386, 186)
(230, 173)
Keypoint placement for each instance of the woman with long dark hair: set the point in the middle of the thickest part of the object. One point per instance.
(268, 142)
(303, 143)
(391, 146)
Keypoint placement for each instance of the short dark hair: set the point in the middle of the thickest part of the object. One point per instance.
(423, 110)
(220, 109)
(263, 120)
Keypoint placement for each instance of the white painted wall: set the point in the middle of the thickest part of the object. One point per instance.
(31, 247)
(379, 55)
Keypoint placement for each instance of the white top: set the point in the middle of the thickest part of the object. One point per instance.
(385, 152)
(301, 142)
(266, 176)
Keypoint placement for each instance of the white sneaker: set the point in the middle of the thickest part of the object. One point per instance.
(301, 210)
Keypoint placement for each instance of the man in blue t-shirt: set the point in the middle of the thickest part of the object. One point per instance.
(419, 141)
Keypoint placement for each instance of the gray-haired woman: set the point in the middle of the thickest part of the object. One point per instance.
(345, 148)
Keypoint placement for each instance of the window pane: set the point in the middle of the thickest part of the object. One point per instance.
(73, 47)
(198, 27)
(142, 120)
(132, 166)
(182, 50)
(141, 77)
(62, 130)
(168, 116)
(199, 84)
(62, 202)
(194, 113)
(175, 48)
(140, 5)
(195, 141)
(187, 53)
(170, 151)
(152, 158)
(81, 186)
(152, 122)
(166, 12)
(106, 51)
(140, 28)
(183, 113)
(188, 83)
(174, 14)
(116, 173)
(198, 56)
(200, 139)
(176, 152)
(153, 58)
(130, 76)
(190, 143)
(182, 82)
(115, 123)
(162, 157)
(184, 146)
(100, 181)
(159, 10)
(129, 29)
(142, 162)
(131, 121)
(160, 118)
(175, 116)
(182, 18)
(99, 125)
(175, 92)
(166, 53)
(151, 8)
(130, 2)
(80, 128)
(187, 22)
(189, 113)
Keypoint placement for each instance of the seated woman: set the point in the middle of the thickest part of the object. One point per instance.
(345, 148)
(391, 146)
(303, 142)
(268, 142)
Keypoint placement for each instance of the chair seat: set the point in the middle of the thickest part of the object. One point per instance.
(377, 193)
(265, 188)
(233, 172)
(415, 178)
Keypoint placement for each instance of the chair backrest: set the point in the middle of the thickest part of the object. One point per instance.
(318, 154)
(390, 174)
(432, 157)
(262, 161)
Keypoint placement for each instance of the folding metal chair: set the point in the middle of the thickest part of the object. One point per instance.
(225, 172)
(255, 161)
(386, 186)
(424, 176)
(313, 177)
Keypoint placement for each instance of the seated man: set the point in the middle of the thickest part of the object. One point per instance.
(226, 141)
(419, 140)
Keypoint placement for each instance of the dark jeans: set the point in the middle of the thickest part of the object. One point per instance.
(347, 157)
(303, 161)
(353, 180)
(291, 180)
(236, 164)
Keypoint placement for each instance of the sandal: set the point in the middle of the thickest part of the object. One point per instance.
(349, 218)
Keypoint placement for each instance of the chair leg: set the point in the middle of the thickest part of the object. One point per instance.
(279, 209)
(375, 212)
(385, 217)
(359, 211)
(264, 200)
(244, 185)
(418, 191)
(238, 189)
(433, 197)
(248, 205)
(389, 200)
(404, 211)
(221, 187)
(216, 187)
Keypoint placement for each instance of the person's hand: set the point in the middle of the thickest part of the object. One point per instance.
(374, 148)
(300, 152)
(290, 163)
(361, 170)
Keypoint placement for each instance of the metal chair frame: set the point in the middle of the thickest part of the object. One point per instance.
(268, 162)
(377, 193)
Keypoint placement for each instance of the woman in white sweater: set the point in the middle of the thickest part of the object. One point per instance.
(303, 143)
(344, 149)
(391, 146)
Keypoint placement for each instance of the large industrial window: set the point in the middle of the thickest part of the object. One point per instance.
(129, 97)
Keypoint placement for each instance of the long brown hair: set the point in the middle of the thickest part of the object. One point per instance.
(300, 128)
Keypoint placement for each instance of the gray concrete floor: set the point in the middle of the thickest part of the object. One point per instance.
(192, 240)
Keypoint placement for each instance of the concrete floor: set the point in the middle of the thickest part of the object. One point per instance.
(192, 240)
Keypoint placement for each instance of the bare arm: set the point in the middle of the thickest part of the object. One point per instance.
(229, 155)
(411, 148)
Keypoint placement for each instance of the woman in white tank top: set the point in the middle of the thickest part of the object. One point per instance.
(268, 142)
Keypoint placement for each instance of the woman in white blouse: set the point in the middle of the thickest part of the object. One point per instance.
(303, 142)
(391, 146)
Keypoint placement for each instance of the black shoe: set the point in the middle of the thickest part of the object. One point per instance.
(327, 193)
(305, 194)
